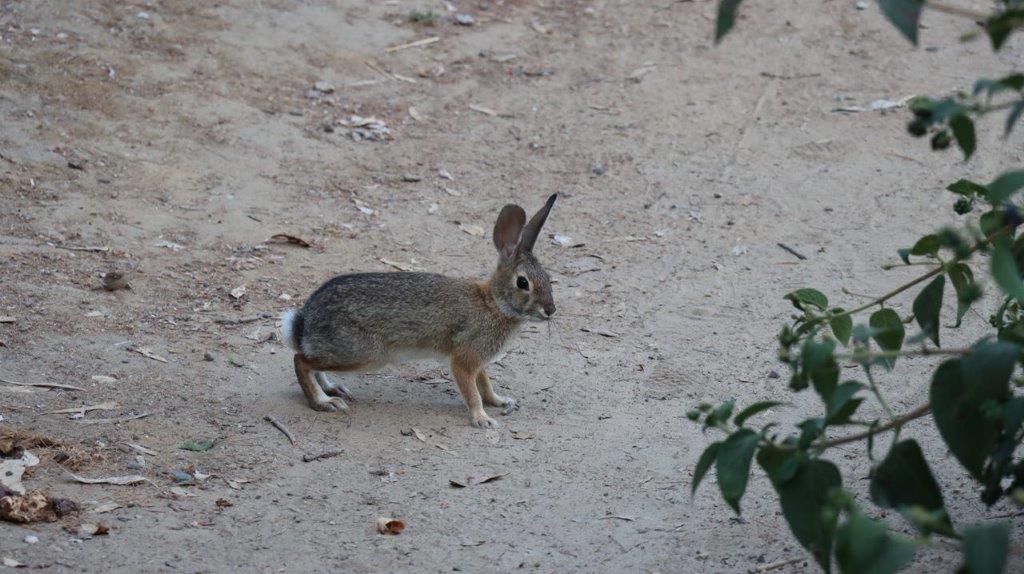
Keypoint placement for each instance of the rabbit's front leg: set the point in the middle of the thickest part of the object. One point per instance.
(483, 384)
(465, 372)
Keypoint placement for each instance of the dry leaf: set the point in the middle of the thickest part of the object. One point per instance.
(443, 173)
(11, 470)
(482, 110)
(169, 245)
(472, 229)
(103, 379)
(106, 507)
(286, 238)
(141, 449)
(117, 480)
(390, 525)
(238, 292)
(234, 484)
(396, 265)
(475, 480)
(12, 563)
(180, 492)
(107, 406)
(416, 432)
(453, 192)
(414, 114)
(145, 352)
(523, 435)
(608, 334)
(563, 240)
(7, 319)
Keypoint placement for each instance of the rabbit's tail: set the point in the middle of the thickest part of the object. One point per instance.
(291, 329)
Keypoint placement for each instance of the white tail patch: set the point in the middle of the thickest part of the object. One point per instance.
(288, 328)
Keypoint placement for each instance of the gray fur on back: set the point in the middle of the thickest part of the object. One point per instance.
(369, 318)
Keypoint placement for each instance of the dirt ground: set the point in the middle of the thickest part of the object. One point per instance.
(180, 136)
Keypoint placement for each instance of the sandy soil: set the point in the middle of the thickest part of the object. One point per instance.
(182, 138)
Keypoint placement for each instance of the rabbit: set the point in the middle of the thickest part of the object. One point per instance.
(364, 321)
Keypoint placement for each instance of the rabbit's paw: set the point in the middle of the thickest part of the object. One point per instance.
(485, 422)
(508, 405)
(331, 404)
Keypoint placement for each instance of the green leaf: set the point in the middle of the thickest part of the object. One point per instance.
(1004, 186)
(1000, 25)
(970, 435)
(928, 305)
(704, 464)
(841, 327)
(719, 414)
(987, 370)
(808, 296)
(962, 278)
(865, 546)
(889, 333)
(1004, 268)
(927, 245)
(985, 546)
(904, 14)
(904, 480)
(967, 187)
(1013, 116)
(819, 363)
(733, 465)
(726, 18)
(963, 131)
(753, 410)
(843, 403)
(201, 445)
(805, 496)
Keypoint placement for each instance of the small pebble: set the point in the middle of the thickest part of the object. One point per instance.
(31, 539)
(208, 356)
(773, 374)
(465, 19)
(862, 5)
(324, 86)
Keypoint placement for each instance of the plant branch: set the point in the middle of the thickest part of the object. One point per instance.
(894, 423)
(921, 279)
(922, 352)
(957, 11)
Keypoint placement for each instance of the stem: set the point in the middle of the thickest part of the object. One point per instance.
(894, 423)
(957, 11)
(922, 352)
(891, 294)
(920, 279)
(878, 394)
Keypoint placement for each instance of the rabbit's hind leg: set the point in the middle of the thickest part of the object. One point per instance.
(333, 387)
(318, 400)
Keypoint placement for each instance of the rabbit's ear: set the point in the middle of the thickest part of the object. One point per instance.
(507, 229)
(532, 229)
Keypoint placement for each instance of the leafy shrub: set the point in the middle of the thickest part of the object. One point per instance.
(973, 398)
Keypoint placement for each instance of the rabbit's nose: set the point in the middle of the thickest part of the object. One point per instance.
(549, 309)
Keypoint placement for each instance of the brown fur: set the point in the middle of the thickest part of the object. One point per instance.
(362, 321)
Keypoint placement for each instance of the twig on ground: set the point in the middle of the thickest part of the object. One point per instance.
(44, 385)
(792, 251)
(780, 564)
(416, 44)
(113, 421)
(280, 426)
(323, 455)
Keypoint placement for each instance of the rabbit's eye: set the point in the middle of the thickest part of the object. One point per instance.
(522, 283)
